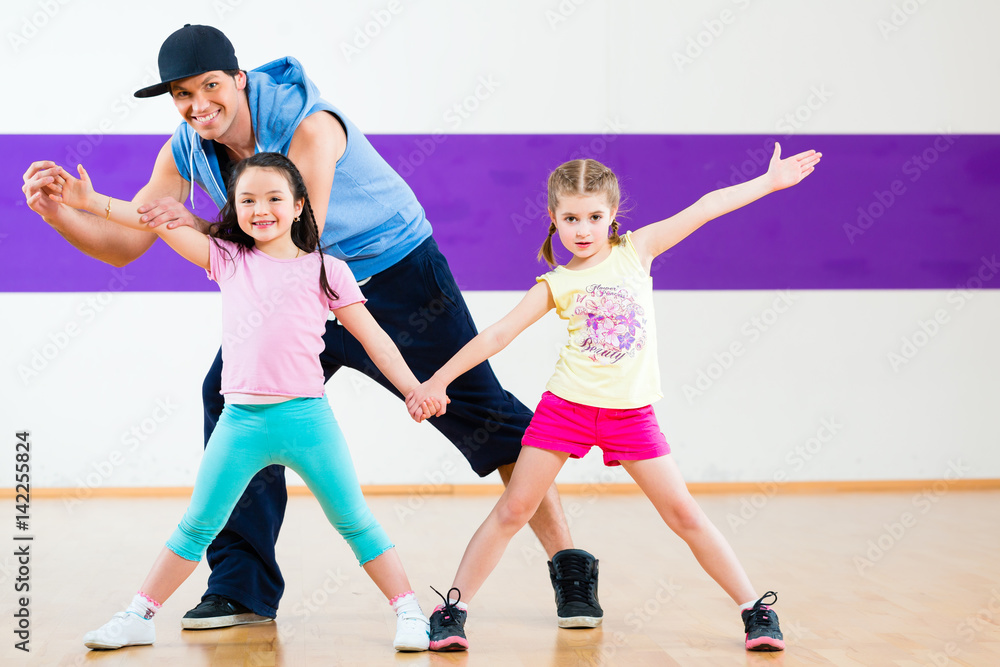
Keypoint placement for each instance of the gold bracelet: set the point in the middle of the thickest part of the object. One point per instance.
(107, 211)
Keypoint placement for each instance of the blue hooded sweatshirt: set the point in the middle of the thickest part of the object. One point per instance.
(373, 219)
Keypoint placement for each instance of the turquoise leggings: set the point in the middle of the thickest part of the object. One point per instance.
(301, 434)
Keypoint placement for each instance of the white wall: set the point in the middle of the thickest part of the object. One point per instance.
(564, 66)
(557, 67)
(812, 394)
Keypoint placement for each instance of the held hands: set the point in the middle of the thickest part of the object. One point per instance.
(788, 172)
(427, 400)
(41, 181)
(74, 192)
(426, 409)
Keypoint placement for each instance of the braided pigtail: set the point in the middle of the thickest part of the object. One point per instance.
(613, 238)
(318, 246)
(546, 251)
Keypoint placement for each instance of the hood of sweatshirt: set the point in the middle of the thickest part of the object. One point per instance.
(280, 97)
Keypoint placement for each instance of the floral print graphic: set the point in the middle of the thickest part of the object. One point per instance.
(615, 325)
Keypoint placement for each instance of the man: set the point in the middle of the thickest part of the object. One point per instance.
(369, 218)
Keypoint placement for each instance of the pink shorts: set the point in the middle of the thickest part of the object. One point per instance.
(623, 435)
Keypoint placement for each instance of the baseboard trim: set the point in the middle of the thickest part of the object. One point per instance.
(697, 488)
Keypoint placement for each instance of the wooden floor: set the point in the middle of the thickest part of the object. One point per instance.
(863, 579)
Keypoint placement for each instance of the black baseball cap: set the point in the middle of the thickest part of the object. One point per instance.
(192, 50)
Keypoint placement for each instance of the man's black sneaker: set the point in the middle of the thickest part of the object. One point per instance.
(574, 578)
(761, 626)
(448, 625)
(215, 611)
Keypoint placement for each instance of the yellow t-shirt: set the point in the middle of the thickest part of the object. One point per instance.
(610, 358)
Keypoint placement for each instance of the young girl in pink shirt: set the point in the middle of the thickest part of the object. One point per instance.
(277, 291)
(605, 380)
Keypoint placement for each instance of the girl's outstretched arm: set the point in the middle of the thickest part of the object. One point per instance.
(79, 193)
(381, 350)
(496, 337)
(659, 237)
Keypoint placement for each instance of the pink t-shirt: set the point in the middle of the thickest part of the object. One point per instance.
(274, 314)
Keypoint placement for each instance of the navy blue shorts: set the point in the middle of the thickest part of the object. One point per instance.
(418, 304)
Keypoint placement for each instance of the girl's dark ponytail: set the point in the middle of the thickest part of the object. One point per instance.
(318, 246)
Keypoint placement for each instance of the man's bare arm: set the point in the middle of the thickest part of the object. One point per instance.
(317, 144)
(91, 234)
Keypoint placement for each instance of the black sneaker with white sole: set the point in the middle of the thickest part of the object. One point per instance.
(574, 577)
(215, 611)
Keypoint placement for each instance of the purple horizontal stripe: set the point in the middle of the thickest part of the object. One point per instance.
(881, 212)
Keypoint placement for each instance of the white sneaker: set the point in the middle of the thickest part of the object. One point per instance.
(124, 629)
(412, 632)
